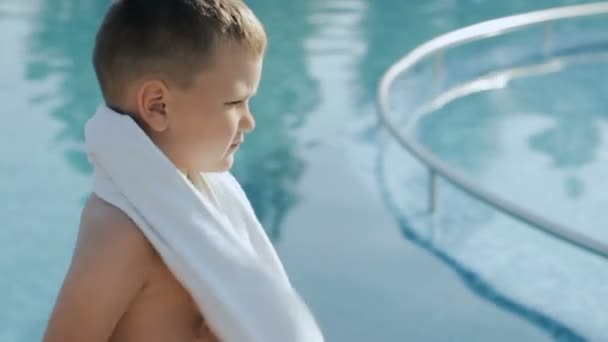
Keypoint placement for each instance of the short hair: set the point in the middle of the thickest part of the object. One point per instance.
(173, 38)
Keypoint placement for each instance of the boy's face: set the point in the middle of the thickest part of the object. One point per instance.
(206, 123)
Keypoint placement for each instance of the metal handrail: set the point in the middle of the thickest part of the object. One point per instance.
(439, 168)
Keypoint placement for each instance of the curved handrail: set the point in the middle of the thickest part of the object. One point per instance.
(454, 176)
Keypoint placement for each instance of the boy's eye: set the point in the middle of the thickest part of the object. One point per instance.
(235, 103)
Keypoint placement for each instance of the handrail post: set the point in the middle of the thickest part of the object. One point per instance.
(548, 39)
(438, 66)
(432, 191)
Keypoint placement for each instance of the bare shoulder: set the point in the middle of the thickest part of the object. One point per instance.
(98, 212)
(110, 267)
(102, 223)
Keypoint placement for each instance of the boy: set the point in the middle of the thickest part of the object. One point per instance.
(184, 70)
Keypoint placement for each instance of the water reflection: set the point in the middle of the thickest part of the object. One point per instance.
(575, 138)
(471, 148)
(60, 48)
(467, 132)
(479, 144)
(268, 165)
(392, 33)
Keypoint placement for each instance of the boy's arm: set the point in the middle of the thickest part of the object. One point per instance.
(109, 268)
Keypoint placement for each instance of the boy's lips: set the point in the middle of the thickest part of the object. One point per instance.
(236, 144)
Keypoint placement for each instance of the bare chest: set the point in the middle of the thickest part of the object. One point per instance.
(163, 311)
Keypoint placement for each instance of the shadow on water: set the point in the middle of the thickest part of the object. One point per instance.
(472, 280)
(268, 166)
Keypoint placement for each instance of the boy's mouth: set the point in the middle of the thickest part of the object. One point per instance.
(236, 145)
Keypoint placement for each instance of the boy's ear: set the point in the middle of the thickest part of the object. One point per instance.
(151, 100)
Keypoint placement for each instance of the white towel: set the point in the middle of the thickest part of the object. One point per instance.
(216, 248)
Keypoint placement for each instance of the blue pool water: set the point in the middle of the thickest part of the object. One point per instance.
(323, 178)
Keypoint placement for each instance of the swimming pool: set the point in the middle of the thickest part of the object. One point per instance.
(317, 169)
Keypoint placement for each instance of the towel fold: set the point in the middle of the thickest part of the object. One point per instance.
(211, 241)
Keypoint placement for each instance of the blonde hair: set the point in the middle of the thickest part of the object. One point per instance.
(173, 38)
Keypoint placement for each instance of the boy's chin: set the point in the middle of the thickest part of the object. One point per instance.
(224, 164)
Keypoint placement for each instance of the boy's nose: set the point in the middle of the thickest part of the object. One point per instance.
(247, 122)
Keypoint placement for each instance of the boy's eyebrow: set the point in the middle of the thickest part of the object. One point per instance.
(252, 94)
